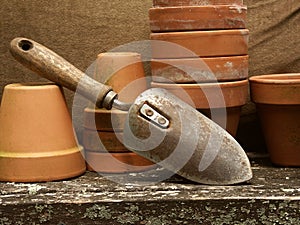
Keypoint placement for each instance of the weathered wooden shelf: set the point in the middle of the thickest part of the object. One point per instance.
(271, 197)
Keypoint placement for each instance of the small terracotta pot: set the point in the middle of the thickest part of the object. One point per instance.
(213, 96)
(188, 18)
(116, 162)
(214, 43)
(104, 120)
(191, 70)
(123, 71)
(277, 99)
(37, 142)
(166, 3)
(103, 141)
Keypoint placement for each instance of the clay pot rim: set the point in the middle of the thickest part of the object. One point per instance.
(112, 111)
(213, 58)
(121, 163)
(276, 89)
(121, 156)
(178, 34)
(160, 3)
(119, 54)
(183, 7)
(228, 84)
(198, 93)
(289, 78)
(31, 85)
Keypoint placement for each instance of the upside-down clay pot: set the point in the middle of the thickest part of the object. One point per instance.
(219, 101)
(213, 43)
(166, 3)
(191, 70)
(37, 142)
(277, 99)
(116, 162)
(123, 71)
(188, 18)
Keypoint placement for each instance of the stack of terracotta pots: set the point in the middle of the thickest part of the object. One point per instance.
(37, 142)
(103, 129)
(201, 48)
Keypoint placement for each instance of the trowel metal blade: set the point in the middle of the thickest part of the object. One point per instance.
(171, 133)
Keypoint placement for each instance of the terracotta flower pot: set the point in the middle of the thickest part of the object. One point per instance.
(123, 71)
(37, 142)
(212, 98)
(191, 70)
(116, 162)
(277, 99)
(188, 18)
(166, 3)
(104, 120)
(213, 43)
(103, 141)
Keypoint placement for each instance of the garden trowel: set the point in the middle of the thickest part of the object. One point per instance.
(159, 126)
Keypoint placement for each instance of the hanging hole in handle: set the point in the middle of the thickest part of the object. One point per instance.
(25, 45)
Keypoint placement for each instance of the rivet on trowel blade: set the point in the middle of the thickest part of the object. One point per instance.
(151, 114)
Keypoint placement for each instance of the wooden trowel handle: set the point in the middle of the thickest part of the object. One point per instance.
(53, 67)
